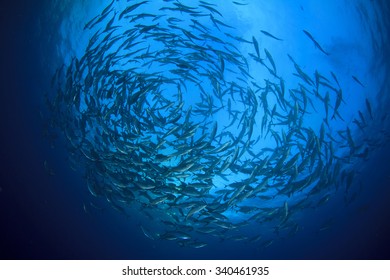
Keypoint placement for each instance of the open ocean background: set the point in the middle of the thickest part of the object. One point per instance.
(45, 209)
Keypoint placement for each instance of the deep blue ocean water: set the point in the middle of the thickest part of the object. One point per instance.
(46, 216)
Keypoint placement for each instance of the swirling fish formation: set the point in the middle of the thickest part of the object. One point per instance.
(173, 122)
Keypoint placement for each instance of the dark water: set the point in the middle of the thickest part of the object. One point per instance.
(46, 216)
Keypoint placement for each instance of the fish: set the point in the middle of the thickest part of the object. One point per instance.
(146, 233)
(94, 21)
(256, 44)
(368, 105)
(286, 213)
(239, 3)
(217, 23)
(211, 9)
(131, 8)
(196, 244)
(357, 80)
(108, 8)
(339, 99)
(301, 73)
(315, 42)
(269, 56)
(195, 209)
(270, 35)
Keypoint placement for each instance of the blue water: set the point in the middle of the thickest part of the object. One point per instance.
(47, 211)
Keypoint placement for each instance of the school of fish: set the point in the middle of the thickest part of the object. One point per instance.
(171, 121)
